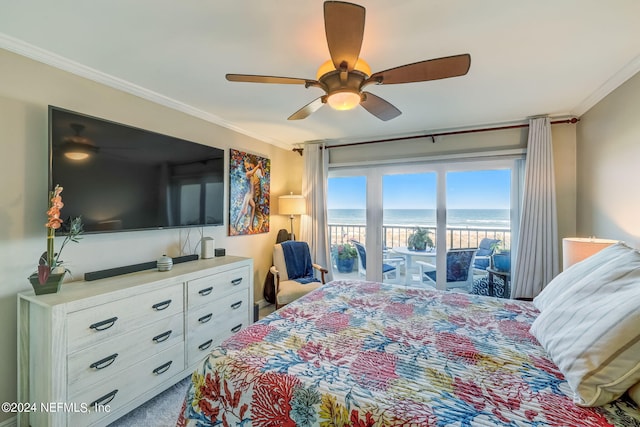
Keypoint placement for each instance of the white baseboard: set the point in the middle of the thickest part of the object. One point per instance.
(11, 422)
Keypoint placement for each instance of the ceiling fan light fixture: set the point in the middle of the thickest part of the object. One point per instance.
(363, 67)
(325, 68)
(77, 151)
(328, 67)
(343, 100)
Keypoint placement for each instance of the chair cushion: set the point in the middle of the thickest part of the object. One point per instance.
(290, 290)
(485, 249)
(486, 246)
(458, 265)
(361, 253)
(387, 268)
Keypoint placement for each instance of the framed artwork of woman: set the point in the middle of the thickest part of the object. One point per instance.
(249, 193)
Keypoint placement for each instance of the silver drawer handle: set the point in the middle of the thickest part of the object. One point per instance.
(205, 291)
(205, 345)
(162, 337)
(163, 368)
(206, 318)
(161, 305)
(101, 401)
(236, 328)
(236, 282)
(103, 325)
(236, 305)
(103, 363)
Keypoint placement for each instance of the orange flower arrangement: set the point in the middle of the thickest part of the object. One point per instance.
(50, 260)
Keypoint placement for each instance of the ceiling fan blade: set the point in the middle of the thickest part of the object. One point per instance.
(249, 78)
(308, 109)
(432, 69)
(344, 27)
(380, 108)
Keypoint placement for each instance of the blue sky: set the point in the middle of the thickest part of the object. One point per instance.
(487, 189)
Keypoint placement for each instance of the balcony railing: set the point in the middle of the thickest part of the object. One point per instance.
(396, 235)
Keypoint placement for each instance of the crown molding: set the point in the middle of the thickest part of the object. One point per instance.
(609, 86)
(46, 57)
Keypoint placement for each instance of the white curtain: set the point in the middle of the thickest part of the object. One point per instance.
(313, 225)
(536, 262)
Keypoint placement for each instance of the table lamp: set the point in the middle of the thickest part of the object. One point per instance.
(575, 249)
(292, 204)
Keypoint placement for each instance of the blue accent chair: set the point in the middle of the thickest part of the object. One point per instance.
(389, 265)
(486, 248)
(459, 269)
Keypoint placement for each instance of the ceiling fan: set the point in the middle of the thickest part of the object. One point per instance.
(345, 75)
(78, 147)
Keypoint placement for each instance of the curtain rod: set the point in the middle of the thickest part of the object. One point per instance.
(433, 135)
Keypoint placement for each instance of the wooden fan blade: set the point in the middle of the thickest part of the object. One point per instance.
(306, 111)
(432, 69)
(248, 78)
(379, 107)
(344, 27)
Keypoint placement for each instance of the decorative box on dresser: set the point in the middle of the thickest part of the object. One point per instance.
(96, 350)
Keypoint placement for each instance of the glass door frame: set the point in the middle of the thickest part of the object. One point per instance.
(374, 201)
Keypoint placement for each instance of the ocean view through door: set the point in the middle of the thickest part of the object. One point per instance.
(454, 205)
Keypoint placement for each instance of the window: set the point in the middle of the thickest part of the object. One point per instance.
(457, 203)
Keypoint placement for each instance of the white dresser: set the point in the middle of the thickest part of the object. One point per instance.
(96, 350)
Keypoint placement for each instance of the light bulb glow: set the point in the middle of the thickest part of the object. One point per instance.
(76, 155)
(343, 100)
(327, 67)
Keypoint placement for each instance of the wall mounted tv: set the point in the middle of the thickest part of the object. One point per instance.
(118, 177)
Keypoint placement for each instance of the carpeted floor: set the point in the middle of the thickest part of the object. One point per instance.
(161, 411)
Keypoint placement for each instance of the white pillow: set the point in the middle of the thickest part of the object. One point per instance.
(564, 282)
(593, 336)
(634, 393)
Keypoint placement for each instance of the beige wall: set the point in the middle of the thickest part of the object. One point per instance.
(609, 166)
(26, 89)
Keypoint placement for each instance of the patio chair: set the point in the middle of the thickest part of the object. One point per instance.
(459, 269)
(389, 265)
(294, 271)
(486, 248)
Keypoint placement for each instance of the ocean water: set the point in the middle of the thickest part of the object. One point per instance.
(469, 218)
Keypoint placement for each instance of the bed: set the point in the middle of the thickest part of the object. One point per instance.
(370, 354)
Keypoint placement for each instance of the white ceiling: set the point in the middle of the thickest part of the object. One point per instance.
(556, 57)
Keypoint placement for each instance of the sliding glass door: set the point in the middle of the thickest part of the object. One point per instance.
(347, 219)
(407, 219)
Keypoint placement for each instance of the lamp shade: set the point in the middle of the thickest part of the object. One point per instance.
(291, 204)
(575, 249)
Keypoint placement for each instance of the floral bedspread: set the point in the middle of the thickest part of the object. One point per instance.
(358, 353)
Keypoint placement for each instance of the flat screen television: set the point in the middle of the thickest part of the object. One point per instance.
(118, 177)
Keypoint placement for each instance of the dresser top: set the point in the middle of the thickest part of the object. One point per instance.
(132, 283)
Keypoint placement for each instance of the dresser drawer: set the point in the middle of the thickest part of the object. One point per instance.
(202, 340)
(224, 308)
(88, 326)
(210, 288)
(120, 389)
(107, 358)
